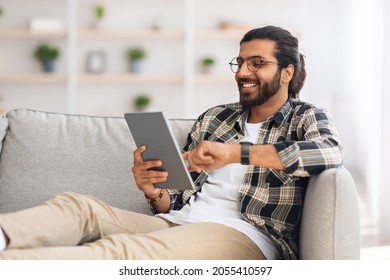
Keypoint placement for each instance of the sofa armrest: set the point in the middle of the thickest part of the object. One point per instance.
(330, 227)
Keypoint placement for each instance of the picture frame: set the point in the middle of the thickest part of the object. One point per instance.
(96, 62)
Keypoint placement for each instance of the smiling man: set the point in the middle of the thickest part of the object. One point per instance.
(250, 161)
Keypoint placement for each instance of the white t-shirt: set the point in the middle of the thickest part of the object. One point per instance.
(217, 201)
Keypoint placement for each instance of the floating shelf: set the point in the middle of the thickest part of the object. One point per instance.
(214, 78)
(33, 78)
(27, 34)
(131, 78)
(219, 34)
(128, 34)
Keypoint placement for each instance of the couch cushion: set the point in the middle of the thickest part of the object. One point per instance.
(3, 129)
(330, 226)
(180, 128)
(48, 153)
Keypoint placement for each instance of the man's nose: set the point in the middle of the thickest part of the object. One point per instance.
(244, 70)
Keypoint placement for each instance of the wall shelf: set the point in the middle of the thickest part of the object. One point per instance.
(220, 34)
(33, 78)
(213, 78)
(175, 50)
(27, 34)
(128, 34)
(130, 78)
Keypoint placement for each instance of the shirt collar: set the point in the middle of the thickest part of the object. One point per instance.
(278, 118)
(283, 112)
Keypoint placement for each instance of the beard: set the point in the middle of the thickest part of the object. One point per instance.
(266, 91)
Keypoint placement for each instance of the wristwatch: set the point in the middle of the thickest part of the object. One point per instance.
(245, 152)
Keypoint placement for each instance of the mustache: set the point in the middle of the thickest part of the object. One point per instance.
(247, 80)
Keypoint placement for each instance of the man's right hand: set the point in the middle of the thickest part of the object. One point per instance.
(145, 178)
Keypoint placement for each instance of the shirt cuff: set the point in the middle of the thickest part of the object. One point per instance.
(289, 155)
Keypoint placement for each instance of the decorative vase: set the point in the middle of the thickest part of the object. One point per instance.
(206, 69)
(48, 65)
(99, 24)
(135, 65)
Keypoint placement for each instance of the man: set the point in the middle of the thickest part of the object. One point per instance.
(250, 162)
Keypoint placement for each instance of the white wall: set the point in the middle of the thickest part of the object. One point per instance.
(347, 73)
(384, 185)
(134, 15)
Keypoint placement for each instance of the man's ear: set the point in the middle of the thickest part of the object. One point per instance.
(288, 73)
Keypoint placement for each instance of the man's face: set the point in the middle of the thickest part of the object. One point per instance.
(256, 88)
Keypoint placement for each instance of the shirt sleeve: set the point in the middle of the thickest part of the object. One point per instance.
(313, 147)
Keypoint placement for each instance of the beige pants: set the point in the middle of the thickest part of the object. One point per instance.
(73, 226)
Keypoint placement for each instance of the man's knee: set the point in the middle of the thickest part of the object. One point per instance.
(69, 196)
(81, 201)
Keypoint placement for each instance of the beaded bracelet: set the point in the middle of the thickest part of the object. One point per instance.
(156, 199)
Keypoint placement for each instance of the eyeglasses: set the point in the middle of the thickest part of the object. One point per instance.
(254, 63)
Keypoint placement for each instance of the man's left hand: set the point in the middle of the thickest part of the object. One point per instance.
(210, 155)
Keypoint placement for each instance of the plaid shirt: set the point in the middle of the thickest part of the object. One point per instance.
(307, 143)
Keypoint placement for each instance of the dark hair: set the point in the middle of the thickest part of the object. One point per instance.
(286, 53)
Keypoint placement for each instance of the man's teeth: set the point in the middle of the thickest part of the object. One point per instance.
(249, 85)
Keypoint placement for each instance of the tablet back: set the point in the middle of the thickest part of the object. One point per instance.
(152, 129)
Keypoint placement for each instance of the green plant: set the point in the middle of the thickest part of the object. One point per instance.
(46, 52)
(136, 53)
(208, 61)
(1, 11)
(141, 101)
(100, 11)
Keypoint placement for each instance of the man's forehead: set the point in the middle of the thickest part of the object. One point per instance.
(258, 47)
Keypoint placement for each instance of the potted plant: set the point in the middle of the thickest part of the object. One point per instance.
(100, 13)
(47, 54)
(141, 101)
(1, 11)
(207, 64)
(135, 56)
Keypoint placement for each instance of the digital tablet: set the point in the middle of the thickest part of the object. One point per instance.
(152, 129)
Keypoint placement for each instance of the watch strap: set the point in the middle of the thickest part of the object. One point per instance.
(245, 152)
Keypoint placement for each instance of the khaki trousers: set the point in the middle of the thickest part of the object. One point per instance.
(74, 226)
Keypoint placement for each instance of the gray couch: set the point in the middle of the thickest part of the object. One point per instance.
(43, 154)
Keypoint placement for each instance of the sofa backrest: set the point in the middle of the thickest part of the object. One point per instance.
(48, 153)
(3, 129)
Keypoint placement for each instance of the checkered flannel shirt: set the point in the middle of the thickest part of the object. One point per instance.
(271, 200)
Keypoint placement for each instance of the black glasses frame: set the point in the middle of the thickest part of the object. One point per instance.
(251, 67)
